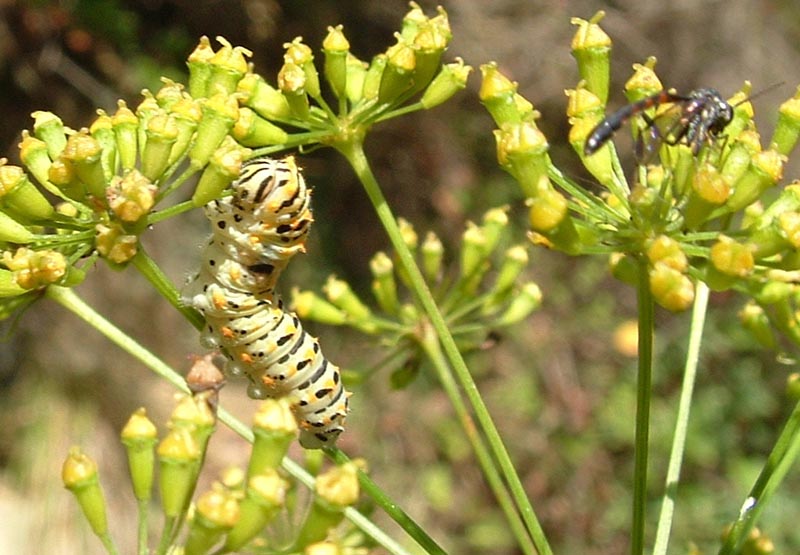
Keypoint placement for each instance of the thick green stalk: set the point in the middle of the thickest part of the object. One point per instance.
(72, 302)
(682, 420)
(432, 347)
(643, 396)
(354, 152)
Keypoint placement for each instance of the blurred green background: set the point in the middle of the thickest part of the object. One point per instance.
(563, 395)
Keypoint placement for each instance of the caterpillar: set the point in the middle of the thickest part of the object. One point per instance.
(255, 232)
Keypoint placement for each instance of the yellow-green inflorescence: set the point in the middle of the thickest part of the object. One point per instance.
(234, 512)
(88, 193)
(714, 211)
(484, 289)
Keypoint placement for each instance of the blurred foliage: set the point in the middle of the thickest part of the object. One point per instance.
(558, 370)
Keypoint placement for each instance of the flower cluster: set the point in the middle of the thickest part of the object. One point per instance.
(485, 292)
(234, 511)
(703, 205)
(110, 178)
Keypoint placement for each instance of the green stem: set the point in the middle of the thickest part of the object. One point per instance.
(780, 461)
(143, 506)
(69, 300)
(643, 395)
(431, 346)
(151, 271)
(682, 419)
(354, 152)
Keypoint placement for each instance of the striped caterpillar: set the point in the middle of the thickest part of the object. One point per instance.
(254, 234)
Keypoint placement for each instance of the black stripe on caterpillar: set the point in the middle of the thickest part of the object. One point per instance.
(255, 232)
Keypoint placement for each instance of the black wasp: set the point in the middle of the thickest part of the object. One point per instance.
(695, 120)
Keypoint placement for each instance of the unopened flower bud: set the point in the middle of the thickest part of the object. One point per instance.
(398, 75)
(62, 175)
(732, 258)
(266, 100)
(161, 134)
(274, 428)
(265, 495)
(336, 489)
(709, 190)
(384, 286)
(601, 162)
(522, 150)
(84, 153)
(126, 125)
(356, 74)
(474, 252)
(12, 231)
(79, 475)
(252, 130)
(216, 511)
(644, 82)
(300, 54)
(374, 76)
(308, 304)
(766, 169)
(451, 79)
(787, 130)
(223, 167)
(178, 455)
(671, 288)
(547, 209)
(20, 196)
(755, 320)
(220, 113)
(668, 251)
(49, 128)
(33, 153)
(515, 259)
(228, 66)
(497, 93)
(432, 252)
(341, 294)
(522, 304)
(102, 130)
(591, 47)
(336, 49)
(139, 437)
(199, 63)
(292, 83)
(187, 115)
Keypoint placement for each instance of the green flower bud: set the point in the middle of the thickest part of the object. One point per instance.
(591, 47)
(266, 494)
(254, 131)
(742, 112)
(126, 125)
(624, 268)
(522, 305)
(666, 250)
(732, 258)
(308, 304)
(756, 321)
(139, 437)
(113, 244)
(11, 231)
(398, 76)
(79, 475)
(20, 196)
(228, 66)
(432, 252)
(33, 153)
(267, 101)
(450, 79)
(301, 55)
(787, 130)
(384, 286)
(49, 128)
(515, 259)
(356, 74)
(498, 95)
(644, 82)
(474, 253)
(178, 456)
(336, 490)
(341, 295)
(374, 76)
(292, 83)
(102, 130)
(671, 288)
(709, 190)
(35, 269)
(522, 151)
(161, 134)
(274, 429)
(62, 175)
(793, 386)
(737, 160)
(582, 103)
(220, 172)
(84, 153)
(601, 163)
(9, 286)
(170, 94)
(216, 512)
(548, 208)
(220, 113)
(429, 44)
(766, 168)
(336, 49)
(199, 63)
(186, 114)
(412, 21)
